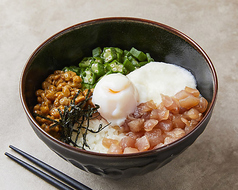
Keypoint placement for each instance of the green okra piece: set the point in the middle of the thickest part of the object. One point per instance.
(88, 76)
(96, 52)
(116, 67)
(73, 68)
(118, 50)
(149, 58)
(142, 63)
(98, 69)
(128, 65)
(138, 54)
(119, 57)
(88, 86)
(98, 60)
(86, 62)
(133, 61)
(109, 54)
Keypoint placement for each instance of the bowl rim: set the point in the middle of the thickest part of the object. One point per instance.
(119, 19)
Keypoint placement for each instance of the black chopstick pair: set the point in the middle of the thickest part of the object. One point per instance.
(68, 181)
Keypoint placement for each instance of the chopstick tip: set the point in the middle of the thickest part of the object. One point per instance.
(7, 154)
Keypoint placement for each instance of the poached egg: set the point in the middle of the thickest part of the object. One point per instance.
(116, 96)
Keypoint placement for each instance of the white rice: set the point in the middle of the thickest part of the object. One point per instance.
(94, 140)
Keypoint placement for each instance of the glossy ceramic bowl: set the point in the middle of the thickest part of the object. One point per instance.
(164, 44)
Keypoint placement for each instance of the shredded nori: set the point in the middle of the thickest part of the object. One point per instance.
(73, 119)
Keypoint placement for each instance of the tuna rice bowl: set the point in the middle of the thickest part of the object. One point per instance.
(119, 102)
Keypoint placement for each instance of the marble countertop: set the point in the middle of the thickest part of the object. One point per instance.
(210, 163)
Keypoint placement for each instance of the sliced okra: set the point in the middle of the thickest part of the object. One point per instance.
(149, 58)
(116, 67)
(88, 76)
(109, 54)
(86, 62)
(98, 69)
(73, 68)
(96, 52)
(128, 65)
(138, 54)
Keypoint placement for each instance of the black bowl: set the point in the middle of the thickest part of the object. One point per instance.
(164, 44)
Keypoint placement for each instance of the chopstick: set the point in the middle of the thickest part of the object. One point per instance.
(39, 173)
(56, 173)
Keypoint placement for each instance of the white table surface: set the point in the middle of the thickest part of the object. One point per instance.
(210, 163)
